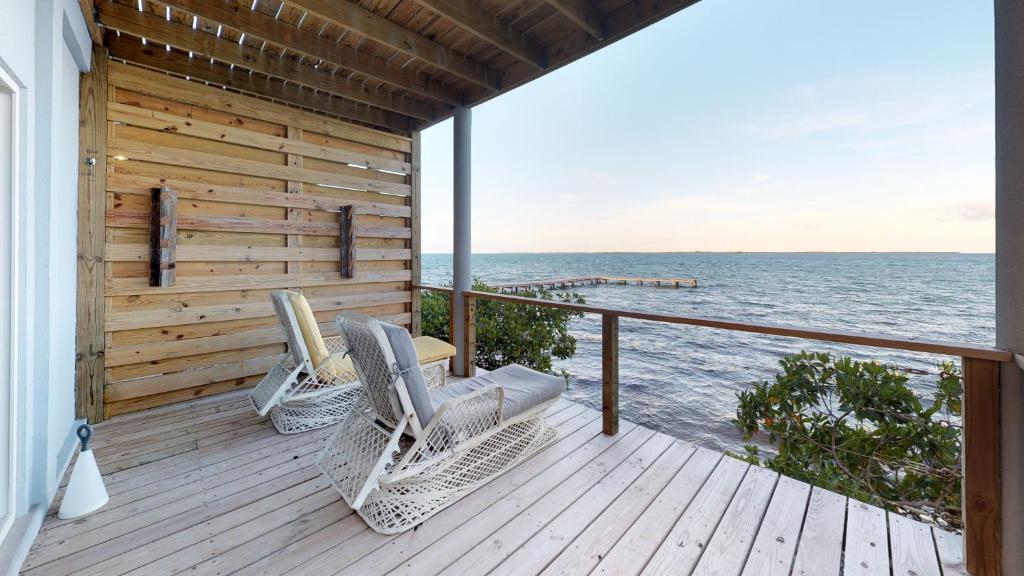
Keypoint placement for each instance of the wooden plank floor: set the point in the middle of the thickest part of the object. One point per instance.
(208, 488)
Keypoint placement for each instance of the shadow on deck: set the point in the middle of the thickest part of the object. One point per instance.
(208, 487)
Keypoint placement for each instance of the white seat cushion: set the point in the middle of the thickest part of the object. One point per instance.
(524, 388)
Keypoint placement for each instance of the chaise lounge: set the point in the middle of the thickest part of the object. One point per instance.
(406, 451)
(315, 385)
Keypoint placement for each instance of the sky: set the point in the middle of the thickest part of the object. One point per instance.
(743, 125)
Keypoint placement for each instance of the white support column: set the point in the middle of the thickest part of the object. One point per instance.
(1009, 72)
(463, 276)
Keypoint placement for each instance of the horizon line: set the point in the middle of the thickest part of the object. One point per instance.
(718, 252)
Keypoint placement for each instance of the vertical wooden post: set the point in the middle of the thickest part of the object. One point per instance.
(347, 241)
(451, 327)
(415, 199)
(469, 358)
(294, 187)
(982, 498)
(610, 373)
(451, 319)
(163, 237)
(92, 197)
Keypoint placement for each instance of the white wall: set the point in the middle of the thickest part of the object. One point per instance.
(44, 46)
(8, 120)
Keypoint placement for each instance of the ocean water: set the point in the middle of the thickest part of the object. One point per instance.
(683, 380)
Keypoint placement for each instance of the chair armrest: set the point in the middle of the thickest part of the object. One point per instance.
(460, 419)
(435, 373)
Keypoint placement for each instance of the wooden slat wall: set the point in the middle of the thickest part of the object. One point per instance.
(259, 187)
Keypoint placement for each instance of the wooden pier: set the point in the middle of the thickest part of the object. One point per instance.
(554, 283)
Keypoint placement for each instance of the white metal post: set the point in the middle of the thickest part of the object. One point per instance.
(463, 276)
(1009, 52)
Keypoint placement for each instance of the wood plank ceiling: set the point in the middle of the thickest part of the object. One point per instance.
(401, 65)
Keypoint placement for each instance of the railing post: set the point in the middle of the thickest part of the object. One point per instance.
(610, 373)
(469, 332)
(451, 319)
(451, 327)
(982, 499)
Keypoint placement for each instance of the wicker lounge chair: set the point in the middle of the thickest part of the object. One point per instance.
(316, 385)
(406, 451)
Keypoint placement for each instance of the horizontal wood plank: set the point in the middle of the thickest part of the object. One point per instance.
(217, 283)
(118, 218)
(176, 315)
(120, 148)
(138, 253)
(158, 84)
(133, 184)
(172, 123)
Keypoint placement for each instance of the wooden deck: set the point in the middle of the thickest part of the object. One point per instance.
(208, 487)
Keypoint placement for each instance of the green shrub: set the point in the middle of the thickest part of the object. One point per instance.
(857, 428)
(508, 333)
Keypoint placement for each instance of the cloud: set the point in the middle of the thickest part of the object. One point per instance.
(976, 212)
(870, 104)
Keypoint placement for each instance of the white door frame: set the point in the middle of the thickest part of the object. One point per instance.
(8, 85)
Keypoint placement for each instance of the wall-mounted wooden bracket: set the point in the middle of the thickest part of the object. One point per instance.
(347, 241)
(163, 232)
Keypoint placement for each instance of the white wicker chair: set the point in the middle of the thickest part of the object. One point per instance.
(300, 396)
(396, 470)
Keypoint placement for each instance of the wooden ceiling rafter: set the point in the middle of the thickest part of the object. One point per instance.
(255, 23)
(620, 22)
(196, 40)
(379, 29)
(584, 14)
(469, 16)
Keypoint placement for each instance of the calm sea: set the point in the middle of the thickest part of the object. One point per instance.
(683, 380)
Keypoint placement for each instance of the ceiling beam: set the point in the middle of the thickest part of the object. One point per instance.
(584, 14)
(130, 49)
(380, 29)
(89, 13)
(236, 14)
(159, 30)
(468, 15)
(619, 23)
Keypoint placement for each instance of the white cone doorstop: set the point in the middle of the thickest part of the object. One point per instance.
(86, 492)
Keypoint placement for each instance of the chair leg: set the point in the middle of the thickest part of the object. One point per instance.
(273, 386)
(358, 454)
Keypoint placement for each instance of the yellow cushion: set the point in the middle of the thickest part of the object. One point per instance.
(307, 325)
(341, 368)
(428, 349)
(431, 349)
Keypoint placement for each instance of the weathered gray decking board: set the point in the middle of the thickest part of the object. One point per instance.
(208, 488)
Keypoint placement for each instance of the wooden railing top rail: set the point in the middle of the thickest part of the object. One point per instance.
(872, 340)
(444, 289)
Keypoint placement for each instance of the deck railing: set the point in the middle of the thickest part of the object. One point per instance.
(980, 407)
